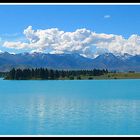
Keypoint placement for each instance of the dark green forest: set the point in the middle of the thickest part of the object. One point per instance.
(50, 74)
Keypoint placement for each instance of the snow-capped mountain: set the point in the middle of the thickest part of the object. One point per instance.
(108, 61)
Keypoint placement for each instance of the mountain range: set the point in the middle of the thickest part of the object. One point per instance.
(73, 61)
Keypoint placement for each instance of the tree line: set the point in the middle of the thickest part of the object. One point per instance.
(3, 74)
(50, 74)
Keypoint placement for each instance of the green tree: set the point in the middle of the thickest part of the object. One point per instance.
(46, 73)
(12, 74)
(18, 74)
(51, 74)
(79, 77)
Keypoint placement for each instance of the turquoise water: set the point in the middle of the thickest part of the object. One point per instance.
(80, 107)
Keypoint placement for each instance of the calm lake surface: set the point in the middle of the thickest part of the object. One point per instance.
(67, 107)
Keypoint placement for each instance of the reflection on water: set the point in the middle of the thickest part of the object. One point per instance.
(40, 115)
(81, 114)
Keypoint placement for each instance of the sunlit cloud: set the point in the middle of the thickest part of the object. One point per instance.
(83, 41)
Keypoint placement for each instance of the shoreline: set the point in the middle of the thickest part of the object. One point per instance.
(88, 75)
(67, 79)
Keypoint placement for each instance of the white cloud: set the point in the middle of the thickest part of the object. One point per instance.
(82, 41)
(107, 16)
(16, 45)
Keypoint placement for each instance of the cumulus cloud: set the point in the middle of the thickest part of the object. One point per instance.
(82, 41)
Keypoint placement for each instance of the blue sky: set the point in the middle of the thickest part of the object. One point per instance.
(112, 19)
(124, 20)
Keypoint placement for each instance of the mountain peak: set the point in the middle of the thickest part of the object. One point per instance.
(69, 61)
(124, 56)
(106, 56)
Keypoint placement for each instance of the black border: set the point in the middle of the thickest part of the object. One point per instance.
(69, 1)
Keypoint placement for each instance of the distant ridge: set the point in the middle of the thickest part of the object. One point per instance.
(69, 61)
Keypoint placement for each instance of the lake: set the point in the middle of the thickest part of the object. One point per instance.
(67, 107)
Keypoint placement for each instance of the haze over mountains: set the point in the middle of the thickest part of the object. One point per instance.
(69, 61)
